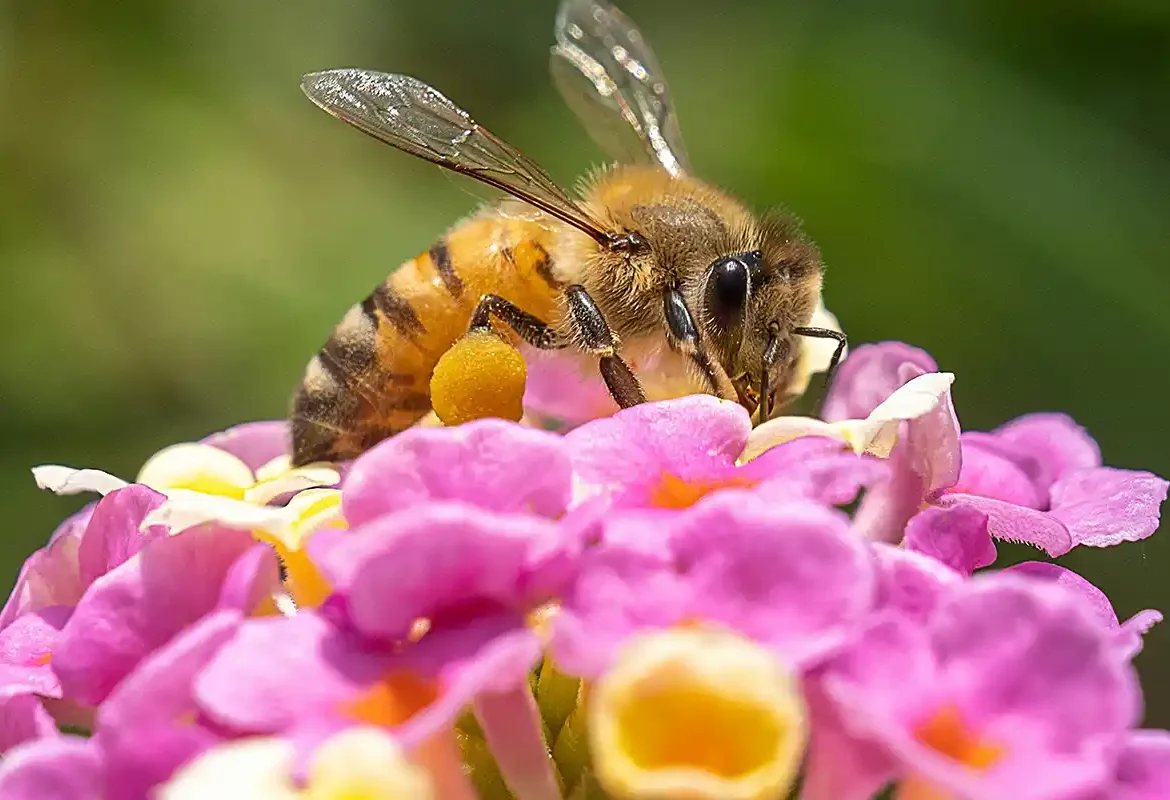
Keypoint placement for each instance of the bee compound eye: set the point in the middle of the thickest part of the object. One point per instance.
(728, 287)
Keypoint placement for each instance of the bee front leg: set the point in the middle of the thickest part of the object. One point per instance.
(598, 339)
(684, 336)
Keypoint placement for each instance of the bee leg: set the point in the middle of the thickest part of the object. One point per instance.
(598, 339)
(684, 335)
(532, 330)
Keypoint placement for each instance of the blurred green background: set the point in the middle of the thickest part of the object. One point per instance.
(180, 228)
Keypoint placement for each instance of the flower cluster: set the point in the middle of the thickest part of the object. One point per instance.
(662, 603)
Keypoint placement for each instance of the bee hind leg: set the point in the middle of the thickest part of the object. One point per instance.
(531, 329)
(597, 338)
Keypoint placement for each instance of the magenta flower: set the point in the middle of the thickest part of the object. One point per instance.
(674, 453)
(1037, 480)
(788, 574)
(1017, 692)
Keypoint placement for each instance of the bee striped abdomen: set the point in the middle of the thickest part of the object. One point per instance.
(372, 377)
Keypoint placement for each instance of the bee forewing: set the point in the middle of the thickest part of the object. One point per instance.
(609, 76)
(414, 117)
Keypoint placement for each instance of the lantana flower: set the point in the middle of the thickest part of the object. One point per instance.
(1017, 692)
(100, 598)
(662, 603)
(1037, 479)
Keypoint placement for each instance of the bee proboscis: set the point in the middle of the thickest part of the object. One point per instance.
(648, 260)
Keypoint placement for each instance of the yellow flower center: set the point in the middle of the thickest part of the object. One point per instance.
(691, 713)
(197, 468)
(672, 491)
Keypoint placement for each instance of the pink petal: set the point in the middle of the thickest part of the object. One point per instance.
(1030, 651)
(788, 574)
(868, 376)
(143, 730)
(251, 580)
(441, 559)
(250, 684)
(254, 443)
(932, 440)
(686, 437)
(1014, 523)
(1094, 598)
(1103, 507)
(113, 533)
(990, 471)
(909, 583)
(23, 719)
(1049, 446)
(492, 464)
(66, 768)
(839, 764)
(141, 604)
(26, 647)
(1143, 767)
(955, 536)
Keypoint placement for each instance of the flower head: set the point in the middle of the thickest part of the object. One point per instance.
(1018, 693)
(1037, 479)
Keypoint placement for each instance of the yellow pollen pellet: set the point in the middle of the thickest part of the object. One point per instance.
(480, 376)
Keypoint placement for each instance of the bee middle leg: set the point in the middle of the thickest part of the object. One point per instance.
(597, 338)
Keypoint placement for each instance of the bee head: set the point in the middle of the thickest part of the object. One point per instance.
(755, 301)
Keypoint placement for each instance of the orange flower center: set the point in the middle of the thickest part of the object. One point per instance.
(947, 733)
(672, 491)
(393, 700)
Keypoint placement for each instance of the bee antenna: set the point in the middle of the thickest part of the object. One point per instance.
(831, 372)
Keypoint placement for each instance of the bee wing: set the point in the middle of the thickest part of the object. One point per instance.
(609, 76)
(408, 114)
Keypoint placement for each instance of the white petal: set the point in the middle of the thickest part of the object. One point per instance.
(779, 430)
(274, 484)
(248, 769)
(185, 509)
(197, 467)
(878, 433)
(67, 480)
(366, 762)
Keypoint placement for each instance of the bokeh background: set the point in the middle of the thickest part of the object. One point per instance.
(180, 228)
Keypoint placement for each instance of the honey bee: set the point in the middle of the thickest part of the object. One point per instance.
(648, 261)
